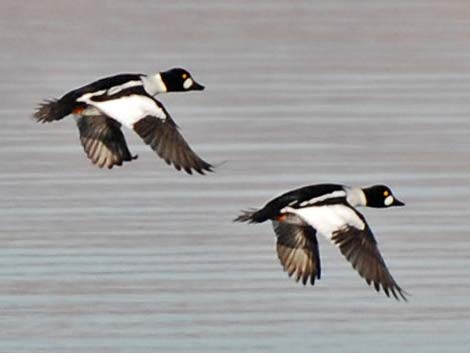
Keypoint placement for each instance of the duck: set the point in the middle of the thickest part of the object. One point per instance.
(328, 210)
(102, 107)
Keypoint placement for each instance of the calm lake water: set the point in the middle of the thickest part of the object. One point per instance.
(145, 259)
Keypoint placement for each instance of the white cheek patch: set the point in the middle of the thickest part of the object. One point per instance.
(389, 200)
(187, 83)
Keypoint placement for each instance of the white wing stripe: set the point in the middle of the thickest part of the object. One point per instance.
(119, 88)
(86, 97)
(338, 193)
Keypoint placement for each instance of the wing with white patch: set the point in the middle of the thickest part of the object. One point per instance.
(297, 248)
(360, 249)
(328, 218)
(149, 119)
(103, 141)
(164, 138)
(127, 106)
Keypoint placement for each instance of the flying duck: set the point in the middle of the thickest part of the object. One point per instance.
(330, 210)
(102, 107)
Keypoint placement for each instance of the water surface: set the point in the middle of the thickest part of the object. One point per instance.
(145, 259)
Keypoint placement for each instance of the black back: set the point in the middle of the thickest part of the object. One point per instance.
(272, 208)
(68, 102)
(101, 84)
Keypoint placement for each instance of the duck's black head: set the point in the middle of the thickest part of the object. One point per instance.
(380, 196)
(179, 80)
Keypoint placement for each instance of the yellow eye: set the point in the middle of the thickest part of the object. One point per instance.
(386, 193)
(185, 76)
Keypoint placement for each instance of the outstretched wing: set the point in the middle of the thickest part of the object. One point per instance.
(163, 137)
(360, 249)
(297, 248)
(103, 141)
(134, 108)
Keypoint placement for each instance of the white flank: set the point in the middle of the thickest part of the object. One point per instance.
(389, 200)
(338, 193)
(154, 84)
(117, 89)
(328, 219)
(187, 83)
(129, 109)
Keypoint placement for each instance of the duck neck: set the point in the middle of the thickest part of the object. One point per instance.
(154, 84)
(356, 197)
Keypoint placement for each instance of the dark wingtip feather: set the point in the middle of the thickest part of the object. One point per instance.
(397, 292)
(403, 294)
(213, 167)
(202, 169)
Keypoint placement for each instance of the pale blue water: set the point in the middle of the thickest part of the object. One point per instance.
(145, 259)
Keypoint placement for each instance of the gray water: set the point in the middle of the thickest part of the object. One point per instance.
(145, 259)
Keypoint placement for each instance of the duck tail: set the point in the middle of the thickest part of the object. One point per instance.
(252, 216)
(50, 110)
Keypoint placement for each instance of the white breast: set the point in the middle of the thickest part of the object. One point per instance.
(328, 219)
(128, 109)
